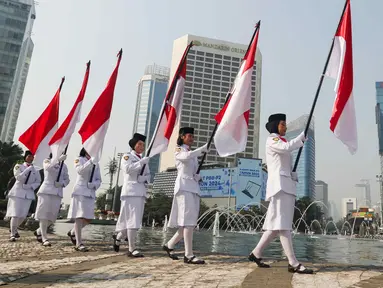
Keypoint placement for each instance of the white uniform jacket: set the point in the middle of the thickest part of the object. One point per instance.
(84, 168)
(279, 164)
(134, 184)
(21, 189)
(51, 171)
(187, 166)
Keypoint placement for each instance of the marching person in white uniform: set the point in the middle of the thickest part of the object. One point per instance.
(50, 195)
(186, 201)
(133, 195)
(83, 197)
(22, 193)
(281, 192)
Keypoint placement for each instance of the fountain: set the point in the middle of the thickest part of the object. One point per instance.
(336, 228)
(320, 226)
(307, 208)
(216, 225)
(165, 228)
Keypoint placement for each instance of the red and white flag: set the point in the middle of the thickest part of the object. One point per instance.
(37, 136)
(171, 109)
(231, 135)
(61, 138)
(340, 67)
(95, 126)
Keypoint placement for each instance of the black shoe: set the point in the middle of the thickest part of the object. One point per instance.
(81, 248)
(17, 236)
(115, 241)
(258, 261)
(193, 260)
(38, 237)
(169, 251)
(72, 238)
(135, 253)
(47, 243)
(300, 269)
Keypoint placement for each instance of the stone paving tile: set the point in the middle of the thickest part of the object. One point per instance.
(14, 270)
(162, 272)
(327, 278)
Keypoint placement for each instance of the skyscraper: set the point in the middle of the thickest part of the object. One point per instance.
(150, 97)
(321, 194)
(306, 166)
(379, 123)
(16, 47)
(212, 66)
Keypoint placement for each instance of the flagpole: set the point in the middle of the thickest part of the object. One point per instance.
(119, 55)
(319, 88)
(66, 148)
(61, 85)
(62, 164)
(227, 99)
(170, 92)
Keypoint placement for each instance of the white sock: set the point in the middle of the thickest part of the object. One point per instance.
(13, 224)
(265, 240)
(44, 229)
(38, 231)
(20, 220)
(188, 239)
(120, 236)
(72, 232)
(176, 238)
(84, 223)
(287, 244)
(77, 231)
(132, 233)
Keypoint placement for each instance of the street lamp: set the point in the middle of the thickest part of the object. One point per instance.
(379, 178)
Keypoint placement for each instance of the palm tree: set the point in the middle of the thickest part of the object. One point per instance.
(111, 167)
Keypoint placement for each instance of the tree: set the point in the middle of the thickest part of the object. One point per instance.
(10, 154)
(157, 207)
(101, 201)
(112, 168)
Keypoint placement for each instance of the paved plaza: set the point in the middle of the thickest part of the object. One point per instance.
(28, 264)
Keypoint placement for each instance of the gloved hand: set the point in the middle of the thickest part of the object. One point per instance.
(302, 137)
(197, 177)
(205, 149)
(294, 176)
(148, 178)
(91, 185)
(59, 184)
(92, 159)
(145, 160)
(27, 186)
(141, 179)
(62, 158)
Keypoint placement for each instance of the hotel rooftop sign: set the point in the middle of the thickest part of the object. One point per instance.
(221, 47)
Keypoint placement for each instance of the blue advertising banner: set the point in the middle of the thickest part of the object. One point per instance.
(250, 182)
(216, 182)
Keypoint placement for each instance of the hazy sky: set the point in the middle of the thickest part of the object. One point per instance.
(294, 39)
